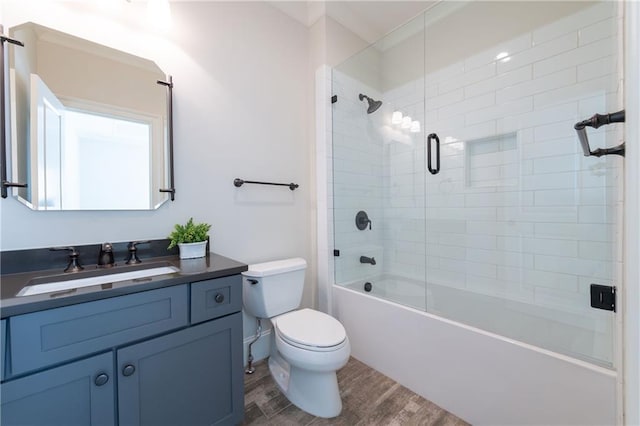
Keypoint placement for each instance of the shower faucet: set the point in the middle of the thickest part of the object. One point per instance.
(365, 259)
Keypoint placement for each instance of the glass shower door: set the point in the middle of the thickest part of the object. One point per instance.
(378, 168)
(519, 224)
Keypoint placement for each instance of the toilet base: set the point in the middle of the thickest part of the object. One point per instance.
(315, 392)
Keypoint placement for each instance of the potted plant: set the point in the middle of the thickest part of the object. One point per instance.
(191, 239)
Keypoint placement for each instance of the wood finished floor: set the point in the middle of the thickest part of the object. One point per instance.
(368, 398)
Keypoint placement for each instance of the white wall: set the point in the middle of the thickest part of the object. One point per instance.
(240, 110)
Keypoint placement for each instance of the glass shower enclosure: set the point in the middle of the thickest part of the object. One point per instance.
(465, 192)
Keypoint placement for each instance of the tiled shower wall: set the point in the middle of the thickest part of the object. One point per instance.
(516, 210)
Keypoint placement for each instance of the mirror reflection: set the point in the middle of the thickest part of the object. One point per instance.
(88, 124)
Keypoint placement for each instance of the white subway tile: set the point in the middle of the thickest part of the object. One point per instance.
(509, 243)
(573, 57)
(561, 214)
(500, 228)
(576, 92)
(598, 31)
(550, 246)
(548, 181)
(596, 251)
(562, 163)
(502, 109)
(475, 131)
(559, 299)
(598, 68)
(498, 257)
(446, 72)
(593, 196)
(512, 198)
(465, 240)
(551, 148)
(565, 282)
(467, 105)
(512, 47)
(475, 75)
(583, 232)
(538, 85)
(563, 129)
(540, 52)
(539, 117)
(500, 81)
(480, 269)
(573, 266)
(575, 21)
(596, 214)
(557, 197)
(442, 100)
(442, 225)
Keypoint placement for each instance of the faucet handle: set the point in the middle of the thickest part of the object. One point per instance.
(74, 258)
(132, 258)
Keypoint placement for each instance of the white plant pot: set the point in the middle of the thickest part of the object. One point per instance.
(193, 250)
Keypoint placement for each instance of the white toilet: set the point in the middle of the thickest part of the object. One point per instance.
(307, 346)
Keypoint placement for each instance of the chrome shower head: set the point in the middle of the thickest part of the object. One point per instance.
(373, 105)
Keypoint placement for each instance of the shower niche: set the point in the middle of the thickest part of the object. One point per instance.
(492, 161)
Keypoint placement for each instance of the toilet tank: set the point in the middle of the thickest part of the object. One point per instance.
(273, 288)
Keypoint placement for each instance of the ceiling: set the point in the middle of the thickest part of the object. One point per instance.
(368, 19)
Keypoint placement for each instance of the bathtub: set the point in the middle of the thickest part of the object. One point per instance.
(482, 377)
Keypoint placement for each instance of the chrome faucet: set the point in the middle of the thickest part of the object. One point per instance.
(105, 258)
(365, 259)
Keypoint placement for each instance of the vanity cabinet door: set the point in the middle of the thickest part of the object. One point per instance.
(80, 393)
(193, 376)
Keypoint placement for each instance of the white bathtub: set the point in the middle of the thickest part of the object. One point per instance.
(481, 377)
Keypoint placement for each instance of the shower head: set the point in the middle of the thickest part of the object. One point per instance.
(373, 105)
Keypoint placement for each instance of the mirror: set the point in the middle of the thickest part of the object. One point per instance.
(88, 124)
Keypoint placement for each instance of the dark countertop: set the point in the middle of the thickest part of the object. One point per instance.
(190, 270)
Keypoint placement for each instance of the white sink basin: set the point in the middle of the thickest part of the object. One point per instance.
(48, 287)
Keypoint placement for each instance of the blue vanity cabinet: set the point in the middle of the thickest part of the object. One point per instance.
(167, 356)
(79, 393)
(190, 377)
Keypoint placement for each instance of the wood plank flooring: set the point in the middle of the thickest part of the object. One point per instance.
(368, 398)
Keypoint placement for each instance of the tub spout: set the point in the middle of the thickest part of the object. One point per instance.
(365, 259)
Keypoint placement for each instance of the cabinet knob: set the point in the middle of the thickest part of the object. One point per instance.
(128, 370)
(101, 379)
(219, 298)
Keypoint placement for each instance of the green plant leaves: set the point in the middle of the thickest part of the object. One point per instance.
(189, 233)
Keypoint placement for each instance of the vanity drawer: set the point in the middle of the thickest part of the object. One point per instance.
(49, 337)
(215, 298)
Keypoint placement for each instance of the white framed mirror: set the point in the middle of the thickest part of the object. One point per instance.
(89, 125)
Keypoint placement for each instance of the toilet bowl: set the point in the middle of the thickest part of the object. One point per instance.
(305, 369)
(307, 346)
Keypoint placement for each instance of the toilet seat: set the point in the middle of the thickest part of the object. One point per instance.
(311, 330)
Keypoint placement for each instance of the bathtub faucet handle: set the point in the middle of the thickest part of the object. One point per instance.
(365, 259)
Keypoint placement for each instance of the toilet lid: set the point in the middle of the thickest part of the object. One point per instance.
(311, 328)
